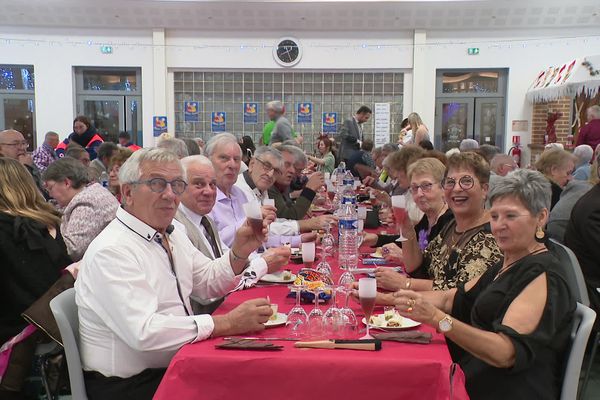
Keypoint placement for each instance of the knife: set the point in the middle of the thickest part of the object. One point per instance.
(370, 345)
(260, 338)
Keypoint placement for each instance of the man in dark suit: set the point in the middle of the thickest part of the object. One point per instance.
(583, 236)
(351, 135)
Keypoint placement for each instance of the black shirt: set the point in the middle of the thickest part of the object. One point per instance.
(539, 356)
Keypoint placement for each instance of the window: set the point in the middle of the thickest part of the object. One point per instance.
(470, 82)
(17, 84)
(121, 80)
(341, 92)
(16, 77)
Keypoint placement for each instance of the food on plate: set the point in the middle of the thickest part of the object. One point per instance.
(378, 253)
(391, 319)
(286, 275)
(274, 308)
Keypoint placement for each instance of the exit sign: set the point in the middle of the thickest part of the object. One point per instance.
(106, 49)
(473, 51)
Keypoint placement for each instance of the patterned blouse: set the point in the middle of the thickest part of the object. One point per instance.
(450, 260)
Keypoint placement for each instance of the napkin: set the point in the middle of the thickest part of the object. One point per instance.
(405, 337)
(244, 344)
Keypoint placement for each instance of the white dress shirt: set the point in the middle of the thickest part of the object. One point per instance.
(131, 316)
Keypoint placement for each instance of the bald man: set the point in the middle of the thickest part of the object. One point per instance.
(13, 145)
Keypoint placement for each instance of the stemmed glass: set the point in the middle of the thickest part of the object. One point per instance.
(400, 214)
(324, 266)
(333, 318)
(297, 318)
(349, 318)
(328, 241)
(315, 317)
(367, 292)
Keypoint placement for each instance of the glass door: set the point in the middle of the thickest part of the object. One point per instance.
(489, 121)
(106, 114)
(453, 122)
(17, 111)
(133, 118)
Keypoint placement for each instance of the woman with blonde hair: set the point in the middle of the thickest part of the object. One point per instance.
(32, 255)
(418, 128)
(557, 166)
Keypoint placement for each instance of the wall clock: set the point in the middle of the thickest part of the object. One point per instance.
(287, 52)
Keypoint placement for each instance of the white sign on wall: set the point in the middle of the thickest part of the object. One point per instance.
(382, 124)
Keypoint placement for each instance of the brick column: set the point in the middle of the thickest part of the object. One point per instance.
(538, 124)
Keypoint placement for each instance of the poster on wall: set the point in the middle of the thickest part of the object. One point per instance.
(191, 111)
(304, 113)
(330, 122)
(251, 113)
(382, 124)
(159, 125)
(218, 121)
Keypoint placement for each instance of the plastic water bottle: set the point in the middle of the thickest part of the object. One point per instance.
(348, 231)
(103, 180)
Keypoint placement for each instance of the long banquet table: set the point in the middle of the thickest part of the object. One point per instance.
(399, 371)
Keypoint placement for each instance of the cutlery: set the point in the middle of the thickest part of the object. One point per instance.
(260, 338)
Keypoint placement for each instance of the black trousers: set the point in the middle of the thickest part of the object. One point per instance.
(137, 387)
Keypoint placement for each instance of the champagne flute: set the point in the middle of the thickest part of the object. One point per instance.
(367, 293)
(308, 254)
(297, 318)
(400, 214)
(348, 316)
(315, 317)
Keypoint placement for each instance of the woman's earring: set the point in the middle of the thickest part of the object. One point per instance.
(540, 234)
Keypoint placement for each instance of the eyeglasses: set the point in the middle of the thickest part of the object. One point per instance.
(425, 188)
(23, 143)
(465, 182)
(268, 167)
(158, 185)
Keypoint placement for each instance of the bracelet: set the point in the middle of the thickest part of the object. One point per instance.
(235, 257)
(408, 283)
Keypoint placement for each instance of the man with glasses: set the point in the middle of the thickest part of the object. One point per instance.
(13, 145)
(133, 295)
(262, 171)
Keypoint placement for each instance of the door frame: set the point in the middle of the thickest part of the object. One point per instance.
(499, 120)
(81, 99)
(469, 101)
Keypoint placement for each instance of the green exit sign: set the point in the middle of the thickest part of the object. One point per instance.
(473, 51)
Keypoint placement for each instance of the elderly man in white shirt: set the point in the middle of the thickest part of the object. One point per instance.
(133, 292)
(265, 165)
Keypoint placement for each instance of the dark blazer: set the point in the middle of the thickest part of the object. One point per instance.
(30, 262)
(349, 135)
(583, 237)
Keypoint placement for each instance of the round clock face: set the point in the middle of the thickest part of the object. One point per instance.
(287, 52)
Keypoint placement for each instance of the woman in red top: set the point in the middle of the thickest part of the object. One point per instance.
(590, 133)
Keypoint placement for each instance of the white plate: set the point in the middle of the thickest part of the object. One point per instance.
(277, 277)
(407, 323)
(281, 320)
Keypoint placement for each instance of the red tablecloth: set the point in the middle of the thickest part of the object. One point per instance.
(399, 371)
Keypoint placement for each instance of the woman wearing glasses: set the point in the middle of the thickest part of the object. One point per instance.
(425, 178)
(465, 248)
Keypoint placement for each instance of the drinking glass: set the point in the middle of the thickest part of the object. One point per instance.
(346, 279)
(362, 212)
(367, 292)
(328, 241)
(400, 214)
(297, 319)
(308, 254)
(333, 318)
(315, 317)
(324, 266)
(348, 317)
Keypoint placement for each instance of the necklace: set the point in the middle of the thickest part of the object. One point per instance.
(509, 266)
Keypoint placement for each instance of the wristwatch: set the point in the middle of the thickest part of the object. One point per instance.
(445, 324)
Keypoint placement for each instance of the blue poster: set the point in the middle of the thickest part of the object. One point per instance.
(191, 111)
(251, 113)
(304, 113)
(218, 121)
(330, 122)
(159, 125)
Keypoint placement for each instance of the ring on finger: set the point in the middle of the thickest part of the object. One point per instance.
(409, 309)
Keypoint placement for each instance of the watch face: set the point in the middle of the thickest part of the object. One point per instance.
(445, 324)
(288, 51)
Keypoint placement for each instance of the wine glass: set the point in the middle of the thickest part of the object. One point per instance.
(333, 318)
(324, 266)
(328, 241)
(400, 214)
(297, 318)
(348, 317)
(315, 317)
(367, 293)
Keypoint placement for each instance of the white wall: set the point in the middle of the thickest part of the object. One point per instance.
(523, 57)
(53, 60)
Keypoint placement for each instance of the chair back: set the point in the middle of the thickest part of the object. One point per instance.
(64, 309)
(583, 321)
(572, 269)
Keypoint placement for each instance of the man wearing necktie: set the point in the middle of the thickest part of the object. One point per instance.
(196, 203)
(351, 133)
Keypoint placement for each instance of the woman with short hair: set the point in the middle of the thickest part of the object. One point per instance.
(86, 208)
(114, 166)
(508, 329)
(326, 161)
(557, 166)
